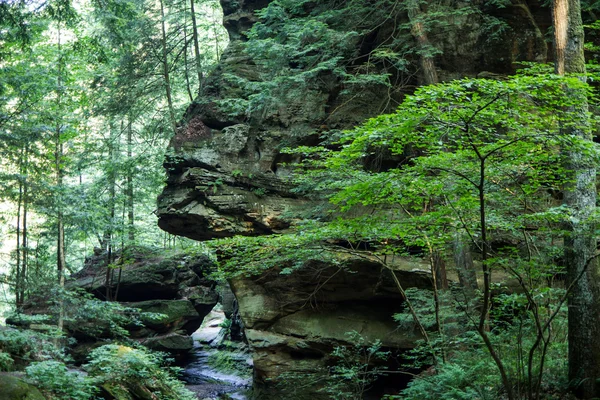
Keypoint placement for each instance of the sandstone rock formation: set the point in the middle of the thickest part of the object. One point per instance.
(226, 172)
(292, 322)
(228, 176)
(175, 290)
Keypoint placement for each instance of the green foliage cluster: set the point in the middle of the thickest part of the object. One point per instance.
(355, 367)
(121, 371)
(58, 383)
(83, 314)
(19, 347)
(6, 361)
(468, 372)
(425, 157)
(249, 256)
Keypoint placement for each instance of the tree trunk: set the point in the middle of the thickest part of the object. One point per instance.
(196, 47)
(439, 267)
(60, 243)
(24, 243)
(580, 198)
(18, 249)
(129, 188)
(58, 169)
(112, 183)
(185, 54)
(60, 228)
(165, 65)
(216, 34)
(420, 34)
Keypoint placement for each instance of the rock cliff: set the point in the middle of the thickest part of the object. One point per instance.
(227, 174)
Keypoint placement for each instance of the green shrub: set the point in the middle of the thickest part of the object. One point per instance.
(456, 382)
(28, 345)
(83, 314)
(57, 383)
(121, 369)
(6, 361)
(470, 373)
(355, 368)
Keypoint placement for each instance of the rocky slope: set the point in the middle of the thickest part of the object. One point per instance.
(174, 286)
(228, 176)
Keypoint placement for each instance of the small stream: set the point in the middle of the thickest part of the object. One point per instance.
(217, 369)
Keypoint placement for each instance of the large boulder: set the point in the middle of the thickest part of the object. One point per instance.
(142, 273)
(226, 172)
(171, 343)
(173, 292)
(168, 315)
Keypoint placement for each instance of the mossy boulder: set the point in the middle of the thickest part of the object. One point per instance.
(169, 315)
(13, 388)
(173, 343)
(144, 274)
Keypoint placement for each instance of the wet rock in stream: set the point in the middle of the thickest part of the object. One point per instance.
(217, 368)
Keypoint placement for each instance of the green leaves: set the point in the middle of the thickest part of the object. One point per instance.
(415, 177)
(53, 378)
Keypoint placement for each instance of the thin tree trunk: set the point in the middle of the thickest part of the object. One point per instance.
(165, 64)
(580, 198)
(112, 183)
(483, 327)
(196, 47)
(24, 250)
(18, 249)
(185, 54)
(420, 34)
(215, 33)
(60, 243)
(58, 156)
(439, 266)
(129, 188)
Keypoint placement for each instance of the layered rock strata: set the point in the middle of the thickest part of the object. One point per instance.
(228, 175)
(174, 292)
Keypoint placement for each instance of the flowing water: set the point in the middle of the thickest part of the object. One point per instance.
(217, 369)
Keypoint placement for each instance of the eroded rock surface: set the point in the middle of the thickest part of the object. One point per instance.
(226, 172)
(227, 175)
(174, 289)
(293, 322)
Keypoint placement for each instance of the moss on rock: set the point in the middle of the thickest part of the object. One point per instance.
(172, 343)
(14, 388)
(174, 314)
